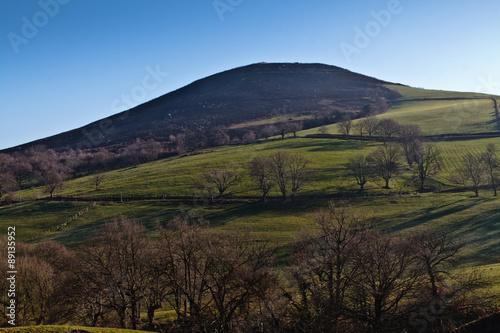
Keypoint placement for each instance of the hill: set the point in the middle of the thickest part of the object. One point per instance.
(240, 100)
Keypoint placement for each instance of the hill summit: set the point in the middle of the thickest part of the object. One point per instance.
(238, 100)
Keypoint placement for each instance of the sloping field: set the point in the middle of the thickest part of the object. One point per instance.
(474, 220)
(437, 117)
(438, 112)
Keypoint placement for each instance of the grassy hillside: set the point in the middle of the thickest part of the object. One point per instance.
(175, 176)
(438, 112)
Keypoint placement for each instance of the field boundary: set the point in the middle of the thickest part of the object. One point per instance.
(440, 137)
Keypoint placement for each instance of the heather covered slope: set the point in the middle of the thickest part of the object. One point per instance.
(247, 94)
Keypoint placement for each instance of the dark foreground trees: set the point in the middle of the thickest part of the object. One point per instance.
(352, 278)
(214, 280)
(211, 280)
(343, 276)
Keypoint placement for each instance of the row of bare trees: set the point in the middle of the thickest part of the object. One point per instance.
(476, 168)
(343, 276)
(285, 171)
(211, 280)
(405, 143)
(38, 166)
(370, 127)
(386, 162)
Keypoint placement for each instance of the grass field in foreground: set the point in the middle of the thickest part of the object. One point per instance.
(474, 220)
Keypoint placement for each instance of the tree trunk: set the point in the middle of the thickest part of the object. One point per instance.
(133, 314)
(151, 316)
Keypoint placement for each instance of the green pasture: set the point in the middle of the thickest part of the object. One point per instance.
(437, 117)
(474, 220)
(176, 176)
(437, 112)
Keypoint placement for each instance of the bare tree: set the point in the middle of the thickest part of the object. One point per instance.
(117, 259)
(142, 151)
(411, 139)
(470, 170)
(386, 162)
(279, 172)
(437, 251)
(218, 182)
(299, 171)
(45, 289)
(492, 164)
(295, 127)
(289, 171)
(7, 180)
(284, 128)
(323, 269)
(97, 179)
(267, 131)
(345, 127)
(215, 278)
(21, 169)
(428, 163)
(438, 254)
(249, 137)
(387, 273)
(260, 171)
(53, 179)
(370, 124)
(7, 183)
(387, 129)
(323, 130)
(360, 127)
(359, 167)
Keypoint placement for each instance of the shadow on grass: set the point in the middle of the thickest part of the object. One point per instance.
(435, 212)
(274, 208)
(318, 145)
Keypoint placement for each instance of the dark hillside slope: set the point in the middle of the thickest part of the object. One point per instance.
(251, 93)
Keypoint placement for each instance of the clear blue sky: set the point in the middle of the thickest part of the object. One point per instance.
(66, 63)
